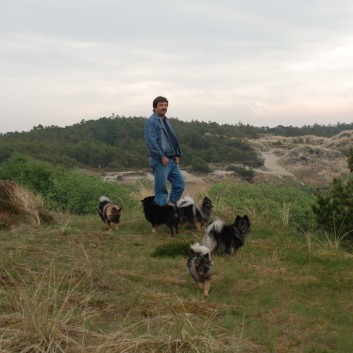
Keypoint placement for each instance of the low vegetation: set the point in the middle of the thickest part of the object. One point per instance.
(334, 208)
(70, 285)
(18, 203)
(63, 190)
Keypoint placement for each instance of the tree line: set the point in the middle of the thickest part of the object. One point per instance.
(117, 142)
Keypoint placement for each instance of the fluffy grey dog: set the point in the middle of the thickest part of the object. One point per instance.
(199, 264)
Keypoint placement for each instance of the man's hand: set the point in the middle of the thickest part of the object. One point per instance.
(165, 160)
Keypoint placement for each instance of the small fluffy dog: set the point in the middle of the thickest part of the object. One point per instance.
(193, 214)
(226, 238)
(156, 215)
(108, 212)
(199, 264)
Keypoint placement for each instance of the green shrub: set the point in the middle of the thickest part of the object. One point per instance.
(172, 250)
(63, 190)
(334, 210)
(199, 165)
(270, 204)
(350, 160)
(245, 173)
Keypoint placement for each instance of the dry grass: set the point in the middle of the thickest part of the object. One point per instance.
(6, 217)
(75, 287)
(328, 243)
(44, 316)
(144, 189)
(104, 293)
(311, 159)
(175, 332)
(18, 205)
(45, 313)
(285, 213)
(340, 142)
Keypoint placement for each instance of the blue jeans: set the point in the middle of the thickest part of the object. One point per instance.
(162, 173)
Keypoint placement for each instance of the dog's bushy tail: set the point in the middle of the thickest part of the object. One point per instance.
(186, 201)
(208, 239)
(103, 199)
(200, 249)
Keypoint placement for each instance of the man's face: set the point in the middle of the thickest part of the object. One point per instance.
(161, 108)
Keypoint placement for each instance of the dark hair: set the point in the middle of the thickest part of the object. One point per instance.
(158, 100)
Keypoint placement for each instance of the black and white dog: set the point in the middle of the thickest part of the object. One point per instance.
(195, 214)
(158, 215)
(226, 238)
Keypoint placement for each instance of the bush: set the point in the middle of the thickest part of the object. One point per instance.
(334, 210)
(199, 165)
(269, 204)
(63, 190)
(172, 250)
(350, 160)
(18, 205)
(245, 173)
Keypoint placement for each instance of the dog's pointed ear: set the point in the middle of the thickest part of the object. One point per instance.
(237, 219)
(207, 256)
(116, 209)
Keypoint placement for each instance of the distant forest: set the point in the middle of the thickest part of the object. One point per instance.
(117, 142)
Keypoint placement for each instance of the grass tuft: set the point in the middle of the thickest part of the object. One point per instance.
(46, 315)
(172, 249)
(19, 205)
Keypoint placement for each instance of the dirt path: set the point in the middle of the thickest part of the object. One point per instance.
(271, 165)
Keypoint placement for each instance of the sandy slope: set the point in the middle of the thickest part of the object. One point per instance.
(272, 166)
(308, 159)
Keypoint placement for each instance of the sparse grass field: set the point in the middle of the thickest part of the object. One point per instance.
(75, 287)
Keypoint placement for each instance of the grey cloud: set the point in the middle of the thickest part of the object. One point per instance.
(253, 61)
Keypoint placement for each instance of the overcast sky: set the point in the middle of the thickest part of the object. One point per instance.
(263, 63)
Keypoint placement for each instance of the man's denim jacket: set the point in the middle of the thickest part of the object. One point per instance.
(157, 139)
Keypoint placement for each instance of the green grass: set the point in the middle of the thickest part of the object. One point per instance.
(74, 286)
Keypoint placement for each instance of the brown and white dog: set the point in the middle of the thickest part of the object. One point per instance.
(109, 213)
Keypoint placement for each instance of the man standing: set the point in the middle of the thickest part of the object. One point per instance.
(164, 148)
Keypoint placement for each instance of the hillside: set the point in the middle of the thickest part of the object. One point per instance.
(73, 286)
(70, 285)
(308, 160)
(117, 144)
